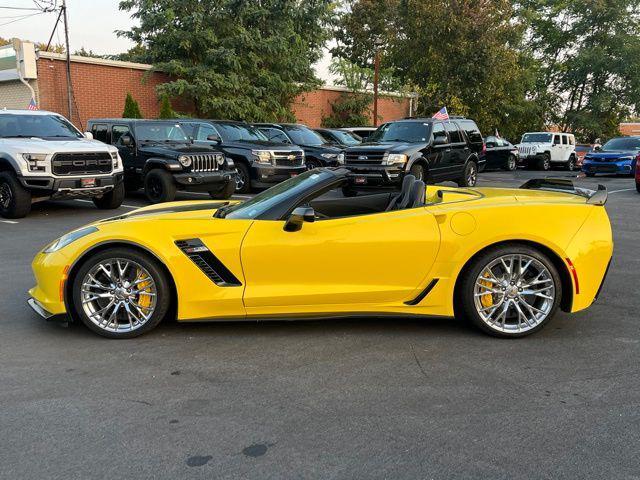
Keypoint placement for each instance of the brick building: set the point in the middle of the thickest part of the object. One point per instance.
(100, 87)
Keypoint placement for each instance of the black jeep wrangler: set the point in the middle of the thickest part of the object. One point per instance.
(160, 157)
(260, 162)
(431, 150)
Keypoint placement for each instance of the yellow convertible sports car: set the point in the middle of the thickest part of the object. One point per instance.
(506, 259)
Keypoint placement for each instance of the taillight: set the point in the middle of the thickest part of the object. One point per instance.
(484, 147)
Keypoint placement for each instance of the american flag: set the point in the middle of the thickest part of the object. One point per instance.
(32, 105)
(442, 114)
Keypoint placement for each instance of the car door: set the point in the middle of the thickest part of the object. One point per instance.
(438, 155)
(565, 148)
(366, 259)
(127, 153)
(556, 149)
(459, 152)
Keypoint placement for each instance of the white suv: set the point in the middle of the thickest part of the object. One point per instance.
(43, 156)
(545, 149)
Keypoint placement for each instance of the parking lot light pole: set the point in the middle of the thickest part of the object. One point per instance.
(376, 77)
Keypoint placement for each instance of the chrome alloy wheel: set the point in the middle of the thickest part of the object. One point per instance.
(240, 180)
(472, 175)
(514, 293)
(118, 295)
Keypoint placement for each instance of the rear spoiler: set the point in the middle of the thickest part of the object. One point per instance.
(564, 185)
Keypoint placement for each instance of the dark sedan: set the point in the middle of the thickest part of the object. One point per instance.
(501, 154)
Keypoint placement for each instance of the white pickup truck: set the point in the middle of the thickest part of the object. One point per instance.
(43, 156)
(543, 150)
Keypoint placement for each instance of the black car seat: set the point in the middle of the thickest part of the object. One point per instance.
(417, 195)
(399, 201)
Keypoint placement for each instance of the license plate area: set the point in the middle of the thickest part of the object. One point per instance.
(88, 182)
(360, 180)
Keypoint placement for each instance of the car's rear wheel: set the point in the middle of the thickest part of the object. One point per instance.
(159, 186)
(470, 175)
(544, 163)
(312, 164)
(15, 200)
(111, 200)
(510, 291)
(120, 293)
(571, 164)
(638, 187)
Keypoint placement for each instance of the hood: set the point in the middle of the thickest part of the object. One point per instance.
(324, 148)
(612, 155)
(259, 144)
(175, 148)
(533, 144)
(392, 147)
(191, 210)
(39, 145)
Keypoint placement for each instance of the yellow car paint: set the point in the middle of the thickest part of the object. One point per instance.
(364, 264)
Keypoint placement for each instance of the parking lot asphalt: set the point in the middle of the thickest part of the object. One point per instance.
(355, 399)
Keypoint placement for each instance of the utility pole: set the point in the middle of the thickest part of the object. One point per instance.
(376, 73)
(63, 8)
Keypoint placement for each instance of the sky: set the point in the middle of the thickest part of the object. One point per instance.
(92, 25)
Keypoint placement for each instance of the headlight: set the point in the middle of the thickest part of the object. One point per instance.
(71, 237)
(341, 158)
(329, 156)
(262, 156)
(184, 160)
(394, 159)
(35, 161)
(114, 157)
(220, 159)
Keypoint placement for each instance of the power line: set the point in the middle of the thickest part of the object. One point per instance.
(19, 8)
(22, 18)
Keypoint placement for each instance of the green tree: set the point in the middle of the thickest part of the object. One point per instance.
(234, 59)
(131, 108)
(165, 108)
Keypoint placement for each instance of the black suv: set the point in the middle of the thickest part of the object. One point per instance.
(261, 163)
(430, 149)
(159, 156)
(318, 152)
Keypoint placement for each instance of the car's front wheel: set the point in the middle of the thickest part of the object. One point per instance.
(226, 192)
(510, 291)
(571, 164)
(312, 164)
(159, 186)
(243, 179)
(15, 201)
(512, 163)
(120, 293)
(544, 163)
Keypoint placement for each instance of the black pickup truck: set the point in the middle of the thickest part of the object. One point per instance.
(431, 150)
(160, 157)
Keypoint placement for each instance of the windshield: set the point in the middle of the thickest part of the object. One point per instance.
(160, 132)
(536, 138)
(411, 132)
(273, 196)
(233, 132)
(40, 126)
(303, 135)
(346, 138)
(626, 144)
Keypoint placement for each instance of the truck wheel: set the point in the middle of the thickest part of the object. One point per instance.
(111, 200)
(571, 164)
(417, 170)
(226, 192)
(15, 201)
(544, 163)
(159, 186)
(243, 180)
(131, 184)
(470, 175)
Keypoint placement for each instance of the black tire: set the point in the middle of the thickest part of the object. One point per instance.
(469, 177)
(159, 186)
(589, 174)
(465, 300)
(111, 200)
(544, 163)
(313, 163)
(349, 192)
(15, 200)
(228, 190)
(132, 184)
(243, 178)
(511, 164)
(163, 290)
(418, 171)
(571, 164)
(638, 187)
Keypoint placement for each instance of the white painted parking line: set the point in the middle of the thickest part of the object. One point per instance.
(123, 205)
(623, 190)
(8, 221)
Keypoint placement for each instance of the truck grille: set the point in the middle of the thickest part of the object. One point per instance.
(289, 158)
(363, 157)
(94, 163)
(526, 150)
(205, 162)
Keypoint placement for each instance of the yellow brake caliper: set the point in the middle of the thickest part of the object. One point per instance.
(143, 300)
(486, 300)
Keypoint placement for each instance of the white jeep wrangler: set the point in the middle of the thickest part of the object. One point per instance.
(545, 149)
(43, 156)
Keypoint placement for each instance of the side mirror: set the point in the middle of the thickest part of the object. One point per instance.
(88, 135)
(440, 140)
(598, 148)
(298, 217)
(126, 140)
(214, 138)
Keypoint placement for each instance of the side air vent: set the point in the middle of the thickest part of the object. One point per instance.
(206, 261)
